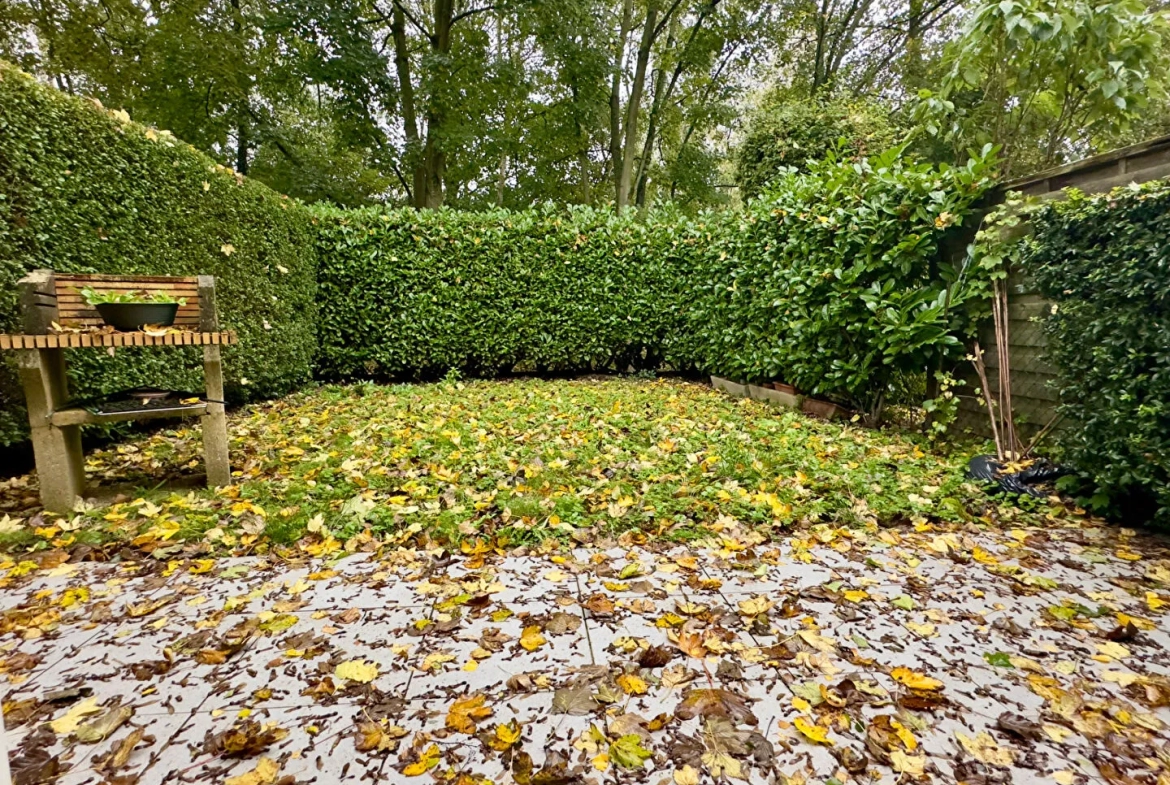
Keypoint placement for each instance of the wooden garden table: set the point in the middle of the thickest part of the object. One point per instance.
(47, 298)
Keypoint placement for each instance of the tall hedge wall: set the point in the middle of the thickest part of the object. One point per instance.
(1103, 261)
(415, 294)
(83, 189)
(832, 281)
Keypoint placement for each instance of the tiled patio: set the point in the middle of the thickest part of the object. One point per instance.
(805, 661)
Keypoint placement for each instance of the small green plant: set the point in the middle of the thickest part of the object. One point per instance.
(94, 297)
(943, 409)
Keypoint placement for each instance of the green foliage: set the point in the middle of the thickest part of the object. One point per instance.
(791, 133)
(85, 190)
(1046, 78)
(1102, 260)
(93, 297)
(833, 280)
(414, 294)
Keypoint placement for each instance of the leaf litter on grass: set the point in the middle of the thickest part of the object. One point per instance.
(799, 636)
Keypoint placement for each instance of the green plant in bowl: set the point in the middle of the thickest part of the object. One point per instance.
(94, 298)
(132, 310)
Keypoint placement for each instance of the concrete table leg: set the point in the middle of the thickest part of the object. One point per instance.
(60, 463)
(215, 440)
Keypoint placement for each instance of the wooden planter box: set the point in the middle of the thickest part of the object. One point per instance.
(824, 409)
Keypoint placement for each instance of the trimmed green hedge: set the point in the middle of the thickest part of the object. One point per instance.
(1103, 261)
(415, 294)
(833, 279)
(83, 189)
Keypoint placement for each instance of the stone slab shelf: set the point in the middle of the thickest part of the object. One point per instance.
(85, 417)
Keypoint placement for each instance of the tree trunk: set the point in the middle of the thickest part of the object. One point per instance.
(583, 163)
(501, 179)
(434, 156)
(406, 106)
(822, 32)
(242, 108)
(660, 95)
(242, 147)
(615, 99)
(912, 72)
(635, 104)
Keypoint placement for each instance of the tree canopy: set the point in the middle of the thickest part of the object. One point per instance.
(482, 103)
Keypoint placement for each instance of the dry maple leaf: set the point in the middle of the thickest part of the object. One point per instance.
(370, 736)
(576, 701)
(691, 644)
(715, 703)
(465, 712)
(357, 670)
(755, 606)
(245, 739)
(655, 657)
(560, 623)
(599, 605)
(983, 748)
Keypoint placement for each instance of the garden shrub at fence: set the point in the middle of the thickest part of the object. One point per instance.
(410, 294)
(1103, 261)
(83, 189)
(834, 281)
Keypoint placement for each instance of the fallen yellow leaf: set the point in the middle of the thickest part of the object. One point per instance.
(531, 639)
(755, 606)
(264, 773)
(632, 684)
(357, 670)
(464, 713)
(914, 680)
(68, 722)
(428, 761)
(816, 733)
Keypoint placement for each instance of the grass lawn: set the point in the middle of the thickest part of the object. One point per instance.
(515, 463)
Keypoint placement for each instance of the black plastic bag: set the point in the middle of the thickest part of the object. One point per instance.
(988, 469)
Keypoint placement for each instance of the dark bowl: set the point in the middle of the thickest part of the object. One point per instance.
(132, 316)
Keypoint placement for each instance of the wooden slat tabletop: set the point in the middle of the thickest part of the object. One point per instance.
(102, 340)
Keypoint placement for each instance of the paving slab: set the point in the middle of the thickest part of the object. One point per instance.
(906, 654)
